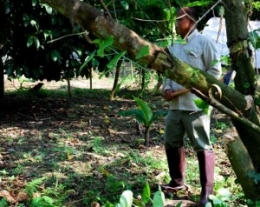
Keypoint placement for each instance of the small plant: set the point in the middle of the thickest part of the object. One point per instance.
(43, 201)
(143, 115)
(221, 125)
(127, 198)
(4, 203)
(33, 186)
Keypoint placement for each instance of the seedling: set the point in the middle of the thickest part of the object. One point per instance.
(144, 115)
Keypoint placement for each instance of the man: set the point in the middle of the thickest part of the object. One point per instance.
(184, 117)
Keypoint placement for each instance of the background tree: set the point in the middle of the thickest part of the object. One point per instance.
(31, 44)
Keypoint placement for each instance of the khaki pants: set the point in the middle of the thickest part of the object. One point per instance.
(195, 124)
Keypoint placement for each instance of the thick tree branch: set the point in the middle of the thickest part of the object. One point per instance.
(127, 40)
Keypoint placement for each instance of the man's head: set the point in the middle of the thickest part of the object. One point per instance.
(186, 21)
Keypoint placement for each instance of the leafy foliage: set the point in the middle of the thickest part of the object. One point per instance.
(40, 43)
(33, 186)
(203, 105)
(143, 114)
(127, 198)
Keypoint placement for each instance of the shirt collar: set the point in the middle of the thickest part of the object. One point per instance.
(192, 34)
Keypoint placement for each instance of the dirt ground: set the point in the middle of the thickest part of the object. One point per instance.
(48, 129)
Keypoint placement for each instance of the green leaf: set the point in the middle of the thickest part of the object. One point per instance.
(104, 45)
(142, 52)
(147, 111)
(146, 193)
(43, 201)
(29, 41)
(55, 55)
(159, 113)
(139, 115)
(33, 40)
(36, 42)
(257, 44)
(89, 58)
(34, 2)
(47, 33)
(125, 4)
(225, 59)
(179, 204)
(114, 61)
(202, 105)
(198, 3)
(126, 199)
(179, 41)
(224, 194)
(34, 24)
(158, 199)
(216, 201)
(48, 8)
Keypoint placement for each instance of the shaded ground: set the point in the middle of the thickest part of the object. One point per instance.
(78, 151)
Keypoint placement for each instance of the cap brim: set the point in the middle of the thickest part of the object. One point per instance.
(179, 17)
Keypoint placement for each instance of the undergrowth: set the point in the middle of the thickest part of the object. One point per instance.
(72, 152)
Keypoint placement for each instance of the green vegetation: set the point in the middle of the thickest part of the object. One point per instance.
(59, 151)
(144, 115)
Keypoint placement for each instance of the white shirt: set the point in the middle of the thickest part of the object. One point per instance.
(199, 51)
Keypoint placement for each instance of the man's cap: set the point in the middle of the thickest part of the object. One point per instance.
(189, 12)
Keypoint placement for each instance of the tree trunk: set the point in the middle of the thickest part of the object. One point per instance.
(236, 13)
(143, 79)
(1, 80)
(90, 78)
(158, 84)
(1, 76)
(69, 87)
(118, 68)
(198, 81)
(241, 164)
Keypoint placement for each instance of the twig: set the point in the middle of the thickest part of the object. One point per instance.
(31, 117)
(105, 8)
(69, 35)
(213, 102)
(150, 20)
(34, 118)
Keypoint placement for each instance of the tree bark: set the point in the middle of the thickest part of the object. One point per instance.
(236, 13)
(117, 74)
(90, 78)
(198, 81)
(1, 77)
(242, 164)
(143, 73)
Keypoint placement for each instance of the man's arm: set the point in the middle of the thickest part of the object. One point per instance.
(171, 94)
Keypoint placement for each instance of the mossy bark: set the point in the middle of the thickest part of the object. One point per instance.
(1, 78)
(242, 165)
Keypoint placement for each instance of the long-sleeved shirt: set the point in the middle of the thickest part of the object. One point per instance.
(199, 51)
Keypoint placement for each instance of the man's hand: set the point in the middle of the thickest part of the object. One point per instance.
(168, 95)
(171, 94)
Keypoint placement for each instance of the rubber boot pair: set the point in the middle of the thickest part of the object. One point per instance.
(177, 164)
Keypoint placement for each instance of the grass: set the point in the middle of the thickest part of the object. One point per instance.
(72, 152)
